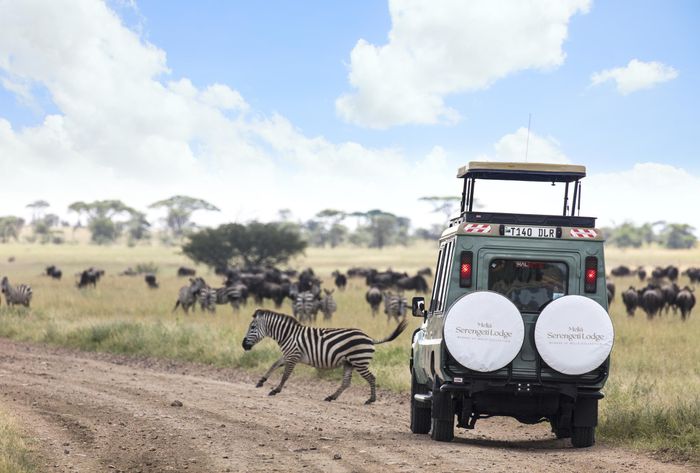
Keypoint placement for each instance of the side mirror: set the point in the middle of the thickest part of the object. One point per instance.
(418, 307)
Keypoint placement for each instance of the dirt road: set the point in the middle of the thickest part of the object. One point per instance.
(102, 413)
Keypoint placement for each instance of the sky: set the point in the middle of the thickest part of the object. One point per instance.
(262, 106)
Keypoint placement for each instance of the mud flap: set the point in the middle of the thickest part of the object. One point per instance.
(586, 412)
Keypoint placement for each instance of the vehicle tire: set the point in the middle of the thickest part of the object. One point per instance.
(420, 414)
(560, 433)
(582, 437)
(442, 422)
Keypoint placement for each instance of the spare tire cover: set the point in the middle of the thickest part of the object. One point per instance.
(483, 331)
(574, 335)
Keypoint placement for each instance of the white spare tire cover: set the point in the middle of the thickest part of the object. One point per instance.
(483, 331)
(574, 335)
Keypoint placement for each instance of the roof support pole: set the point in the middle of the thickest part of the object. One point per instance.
(573, 204)
(463, 206)
(566, 198)
(471, 193)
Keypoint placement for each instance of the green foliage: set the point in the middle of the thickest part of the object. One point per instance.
(180, 209)
(100, 216)
(678, 236)
(10, 228)
(626, 235)
(253, 244)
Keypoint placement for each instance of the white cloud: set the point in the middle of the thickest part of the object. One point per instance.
(126, 128)
(637, 75)
(514, 146)
(441, 48)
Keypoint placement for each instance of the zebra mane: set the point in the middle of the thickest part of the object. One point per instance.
(274, 314)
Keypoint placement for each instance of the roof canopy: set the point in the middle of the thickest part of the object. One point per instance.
(522, 171)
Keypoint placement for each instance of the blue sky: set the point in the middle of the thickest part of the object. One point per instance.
(291, 62)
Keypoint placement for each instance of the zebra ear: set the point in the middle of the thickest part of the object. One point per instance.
(257, 312)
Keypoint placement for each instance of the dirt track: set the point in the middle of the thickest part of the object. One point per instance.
(93, 412)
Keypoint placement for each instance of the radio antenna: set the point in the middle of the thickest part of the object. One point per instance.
(527, 142)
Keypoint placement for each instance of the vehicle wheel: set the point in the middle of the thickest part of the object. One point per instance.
(582, 437)
(420, 414)
(442, 422)
(560, 433)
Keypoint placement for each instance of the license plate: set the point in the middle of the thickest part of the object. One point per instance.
(530, 232)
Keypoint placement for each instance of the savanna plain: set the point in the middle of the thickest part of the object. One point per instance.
(652, 402)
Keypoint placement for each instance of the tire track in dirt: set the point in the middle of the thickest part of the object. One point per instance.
(99, 412)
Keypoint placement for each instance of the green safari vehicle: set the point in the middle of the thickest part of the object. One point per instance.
(517, 324)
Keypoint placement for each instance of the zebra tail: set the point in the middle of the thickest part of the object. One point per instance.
(397, 331)
(177, 304)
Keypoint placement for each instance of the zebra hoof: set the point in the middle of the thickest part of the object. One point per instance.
(260, 383)
(273, 392)
(370, 401)
(329, 399)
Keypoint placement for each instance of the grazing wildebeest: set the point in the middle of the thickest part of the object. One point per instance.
(621, 271)
(671, 272)
(658, 273)
(685, 300)
(185, 271)
(374, 299)
(631, 300)
(187, 296)
(693, 274)
(89, 277)
(151, 281)
(413, 283)
(669, 292)
(54, 272)
(652, 301)
(610, 286)
(340, 280)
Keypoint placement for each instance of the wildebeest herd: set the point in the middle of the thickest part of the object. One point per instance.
(303, 289)
(661, 294)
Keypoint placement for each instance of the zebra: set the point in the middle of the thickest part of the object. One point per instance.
(395, 305)
(187, 296)
(305, 306)
(207, 297)
(327, 304)
(20, 295)
(318, 347)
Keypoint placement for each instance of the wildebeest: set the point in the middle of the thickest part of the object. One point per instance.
(652, 301)
(89, 277)
(610, 286)
(413, 283)
(185, 271)
(669, 292)
(54, 272)
(671, 272)
(427, 272)
(685, 300)
(340, 280)
(630, 298)
(151, 281)
(693, 274)
(620, 271)
(374, 299)
(641, 273)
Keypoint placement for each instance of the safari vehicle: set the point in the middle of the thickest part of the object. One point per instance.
(517, 323)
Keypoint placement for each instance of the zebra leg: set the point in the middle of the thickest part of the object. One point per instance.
(274, 366)
(369, 377)
(347, 377)
(288, 368)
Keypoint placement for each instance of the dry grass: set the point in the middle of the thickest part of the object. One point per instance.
(652, 397)
(14, 456)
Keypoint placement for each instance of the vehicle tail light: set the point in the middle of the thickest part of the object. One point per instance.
(466, 269)
(591, 274)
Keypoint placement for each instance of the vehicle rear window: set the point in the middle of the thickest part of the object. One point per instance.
(530, 285)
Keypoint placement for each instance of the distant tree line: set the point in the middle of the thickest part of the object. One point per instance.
(668, 235)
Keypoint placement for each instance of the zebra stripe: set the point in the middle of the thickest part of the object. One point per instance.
(395, 305)
(328, 305)
(318, 347)
(305, 307)
(20, 295)
(207, 299)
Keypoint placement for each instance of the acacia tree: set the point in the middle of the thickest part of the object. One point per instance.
(678, 235)
(442, 204)
(254, 244)
(180, 209)
(100, 216)
(333, 230)
(10, 228)
(38, 207)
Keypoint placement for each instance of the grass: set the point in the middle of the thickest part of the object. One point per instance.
(14, 453)
(652, 397)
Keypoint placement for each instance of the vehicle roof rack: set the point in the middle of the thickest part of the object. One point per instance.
(537, 172)
(522, 171)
